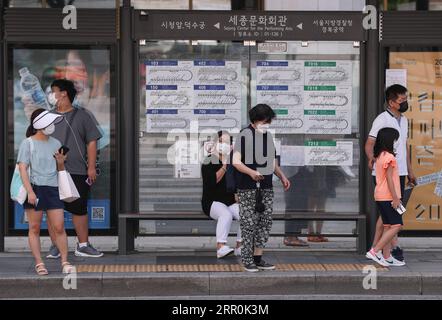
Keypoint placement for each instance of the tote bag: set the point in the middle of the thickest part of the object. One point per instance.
(17, 189)
(66, 187)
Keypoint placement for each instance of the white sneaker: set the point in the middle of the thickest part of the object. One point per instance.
(376, 258)
(224, 251)
(238, 252)
(394, 262)
(379, 253)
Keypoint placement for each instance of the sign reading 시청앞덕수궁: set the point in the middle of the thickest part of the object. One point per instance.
(205, 91)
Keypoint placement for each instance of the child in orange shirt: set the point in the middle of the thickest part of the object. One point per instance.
(387, 195)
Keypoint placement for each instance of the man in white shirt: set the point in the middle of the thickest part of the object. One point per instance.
(392, 117)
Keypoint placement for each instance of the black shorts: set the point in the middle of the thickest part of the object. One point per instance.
(389, 215)
(48, 199)
(79, 206)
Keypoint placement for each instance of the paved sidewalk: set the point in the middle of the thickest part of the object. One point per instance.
(299, 273)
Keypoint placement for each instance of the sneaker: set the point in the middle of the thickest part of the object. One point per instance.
(238, 252)
(88, 251)
(224, 251)
(54, 253)
(394, 262)
(398, 254)
(262, 265)
(376, 258)
(251, 268)
(379, 253)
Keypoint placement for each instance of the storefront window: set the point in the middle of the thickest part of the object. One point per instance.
(420, 70)
(410, 5)
(90, 70)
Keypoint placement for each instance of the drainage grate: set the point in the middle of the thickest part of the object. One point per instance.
(219, 267)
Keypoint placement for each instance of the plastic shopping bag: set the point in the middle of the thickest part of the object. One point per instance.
(66, 187)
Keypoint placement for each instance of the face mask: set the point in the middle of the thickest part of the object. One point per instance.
(223, 148)
(263, 127)
(52, 99)
(49, 130)
(403, 106)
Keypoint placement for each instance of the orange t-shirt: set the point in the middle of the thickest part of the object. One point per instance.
(382, 192)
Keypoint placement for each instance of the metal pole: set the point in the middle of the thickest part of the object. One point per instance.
(127, 111)
(3, 123)
(370, 112)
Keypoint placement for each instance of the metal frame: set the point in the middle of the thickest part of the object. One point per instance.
(3, 126)
(79, 40)
(126, 242)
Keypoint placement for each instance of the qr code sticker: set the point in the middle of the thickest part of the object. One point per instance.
(98, 213)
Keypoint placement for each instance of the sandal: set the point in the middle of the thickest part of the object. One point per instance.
(295, 242)
(314, 239)
(41, 269)
(323, 239)
(67, 268)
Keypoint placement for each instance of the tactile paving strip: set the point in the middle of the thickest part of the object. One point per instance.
(219, 267)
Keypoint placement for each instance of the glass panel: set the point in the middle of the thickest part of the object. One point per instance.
(161, 4)
(212, 5)
(90, 70)
(315, 5)
(61, 3)
(316, 98)
(423, 68)
(410, 5)
(181, 91)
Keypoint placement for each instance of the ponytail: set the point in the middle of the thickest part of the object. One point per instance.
(30, 131)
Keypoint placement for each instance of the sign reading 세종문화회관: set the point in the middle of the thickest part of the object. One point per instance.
(251, 25)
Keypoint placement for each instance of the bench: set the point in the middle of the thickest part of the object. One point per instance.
(128, 224)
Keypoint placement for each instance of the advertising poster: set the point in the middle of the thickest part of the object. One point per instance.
(424, 84)
(89, 69)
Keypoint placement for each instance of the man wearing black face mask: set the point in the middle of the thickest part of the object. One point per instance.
(396, 104)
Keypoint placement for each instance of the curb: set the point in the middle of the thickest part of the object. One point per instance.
(217, 283)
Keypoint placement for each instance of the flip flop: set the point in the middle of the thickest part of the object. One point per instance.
(295, 243)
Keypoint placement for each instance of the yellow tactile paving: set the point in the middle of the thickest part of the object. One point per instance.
(340, 267)
(90, 268)
(220, 267)
(119, 268)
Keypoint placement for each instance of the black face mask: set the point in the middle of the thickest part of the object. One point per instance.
(403, 106)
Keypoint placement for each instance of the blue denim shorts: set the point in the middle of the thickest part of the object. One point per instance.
(48, 199)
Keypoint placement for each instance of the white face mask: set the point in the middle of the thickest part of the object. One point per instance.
(223, 148)
(263, 127)
(49, 130)
(52, 99)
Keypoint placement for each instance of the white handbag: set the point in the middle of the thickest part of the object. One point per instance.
(66, 187)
